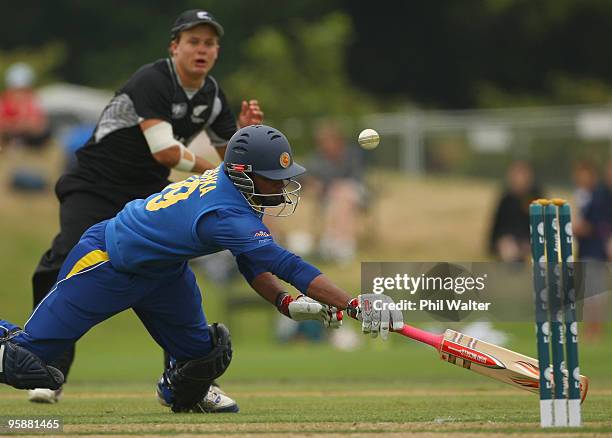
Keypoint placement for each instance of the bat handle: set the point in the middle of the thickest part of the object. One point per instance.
(422, 336)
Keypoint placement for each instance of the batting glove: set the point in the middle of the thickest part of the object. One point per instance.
(375, 316)
(304, 308)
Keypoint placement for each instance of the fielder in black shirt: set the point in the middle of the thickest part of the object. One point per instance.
(141, 135)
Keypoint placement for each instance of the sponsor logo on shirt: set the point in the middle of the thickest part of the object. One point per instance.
(179, 110)
(262, 233)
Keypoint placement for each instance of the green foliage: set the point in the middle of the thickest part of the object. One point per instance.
(106, 42)
(562, 89)
(302, 73)
(43, 60)
(583, 90)
(449, 54)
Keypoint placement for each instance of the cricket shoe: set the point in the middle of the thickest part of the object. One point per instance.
(44, 395)
(214, 402)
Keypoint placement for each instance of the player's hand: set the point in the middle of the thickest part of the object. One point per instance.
(304, 308)
(375, 316)
(250, 114)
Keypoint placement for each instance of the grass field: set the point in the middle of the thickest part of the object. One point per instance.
(305, 390)
(398, 387)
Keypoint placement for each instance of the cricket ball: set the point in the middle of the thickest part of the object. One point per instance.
(368, 139)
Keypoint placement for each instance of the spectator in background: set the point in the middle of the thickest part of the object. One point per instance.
(592, 226)
(509, 241)
(336, 175)
(607, 229)
(589, 220)
(22, 120)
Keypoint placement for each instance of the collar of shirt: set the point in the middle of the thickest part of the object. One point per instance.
(189, 92)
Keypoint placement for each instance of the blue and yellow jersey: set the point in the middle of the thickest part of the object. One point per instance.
(157, 235)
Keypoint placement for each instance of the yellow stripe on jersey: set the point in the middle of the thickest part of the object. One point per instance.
(90, 259)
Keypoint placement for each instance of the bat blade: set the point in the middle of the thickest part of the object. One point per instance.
(487, 359)
(490, 360)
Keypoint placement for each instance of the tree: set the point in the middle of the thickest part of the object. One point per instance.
(301, 74)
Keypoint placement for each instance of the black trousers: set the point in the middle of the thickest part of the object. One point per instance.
(78, 212)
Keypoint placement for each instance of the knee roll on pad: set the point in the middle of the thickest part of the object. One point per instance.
(24, 370)
(191, 379)
(216, 362)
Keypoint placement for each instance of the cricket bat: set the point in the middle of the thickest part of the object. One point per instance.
(487, 359)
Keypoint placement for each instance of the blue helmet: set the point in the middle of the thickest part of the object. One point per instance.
(264, 151)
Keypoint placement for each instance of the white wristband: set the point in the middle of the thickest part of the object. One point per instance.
(159, 137)
(187, 161)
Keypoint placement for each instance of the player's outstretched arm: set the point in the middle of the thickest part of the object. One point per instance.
(301, 308)
(374, 311)
(324, 290)
(268, 286)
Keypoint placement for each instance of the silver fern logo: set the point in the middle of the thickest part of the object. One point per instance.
(199, 109)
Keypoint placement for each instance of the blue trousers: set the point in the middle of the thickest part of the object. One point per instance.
(90, 290)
